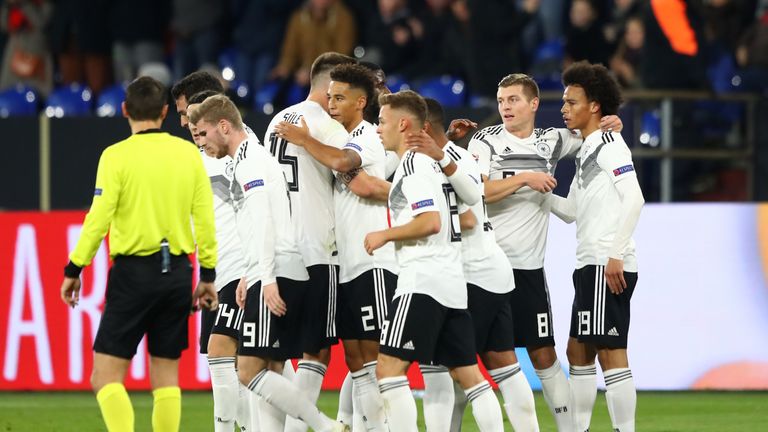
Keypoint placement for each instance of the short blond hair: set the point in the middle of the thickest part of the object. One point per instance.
(216, 108)
(408, 101)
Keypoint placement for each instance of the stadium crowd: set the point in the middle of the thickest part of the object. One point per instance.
(645, 43)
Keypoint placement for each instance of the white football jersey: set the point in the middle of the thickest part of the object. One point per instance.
(521, 220)
(355, 216)
(263, 213)
(309, 182)
(603, 160)
(485, 264)
(430, 265)
(230, 264)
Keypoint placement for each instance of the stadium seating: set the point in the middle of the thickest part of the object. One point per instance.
(547, 65)
(109, 102)
(70, 101)
(650, 128)
(396, 83)
(20, 100)
(449, 91)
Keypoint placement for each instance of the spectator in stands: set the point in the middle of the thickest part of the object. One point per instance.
(752, 54)
(441, 42)
(79, 38)
(626, 60)
(494, 42)
(585, 39)
(390, 41)
(26, 57)
(257, 35)
(621, 12)
(672, 47)
(138, 28)
(196, 27)
(725, 21)
(319, 26)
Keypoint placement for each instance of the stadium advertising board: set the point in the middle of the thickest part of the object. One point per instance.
(699, 314)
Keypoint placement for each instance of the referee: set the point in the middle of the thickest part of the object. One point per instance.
(147, 188)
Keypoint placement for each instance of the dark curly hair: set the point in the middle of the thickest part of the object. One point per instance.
(357, 77)
(598, 84)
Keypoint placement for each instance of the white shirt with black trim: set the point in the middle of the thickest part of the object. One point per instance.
(430, 265)
(309, 182)
(356, 216)
(603, 161)
(230, 265)
(263, 213)
(485, 264)
(521, 220)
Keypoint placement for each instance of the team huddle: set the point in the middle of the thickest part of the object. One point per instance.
(355, 217)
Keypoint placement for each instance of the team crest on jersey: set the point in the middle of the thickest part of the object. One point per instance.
(229, 170)
(543, 149)
(253, 184)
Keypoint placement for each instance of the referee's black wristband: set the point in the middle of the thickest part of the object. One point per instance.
(72, 270)
(207, 274)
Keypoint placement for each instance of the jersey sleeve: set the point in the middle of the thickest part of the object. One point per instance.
(615, 159)
(368, 147)
(203, 217)
(105, 197)
(418, 190)
(259, 239)
(481, 151)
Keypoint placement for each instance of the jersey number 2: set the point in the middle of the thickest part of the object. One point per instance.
(277, 147)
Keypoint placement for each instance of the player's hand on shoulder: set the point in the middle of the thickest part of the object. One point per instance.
(70, 291)
(374, 240)
(274, 302)
(421, 142)
(459, 128)
(614, 276)
(611, 123)
(205, 296)
(540, 181)
(293, 133)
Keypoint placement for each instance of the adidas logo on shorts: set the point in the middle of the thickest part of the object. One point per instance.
(613, 332)
(277, 344)
(409, 346)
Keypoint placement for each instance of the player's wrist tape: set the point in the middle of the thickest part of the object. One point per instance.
(445, 161)
(72, 270)
(207, 274)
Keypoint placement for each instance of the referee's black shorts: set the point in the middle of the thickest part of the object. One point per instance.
(143, 300)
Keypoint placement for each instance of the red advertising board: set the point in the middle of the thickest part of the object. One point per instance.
(46, 345)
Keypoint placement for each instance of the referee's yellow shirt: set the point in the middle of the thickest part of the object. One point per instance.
(147, 188)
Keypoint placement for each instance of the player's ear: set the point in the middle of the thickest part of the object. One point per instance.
(534, 104)
(123, 109)
(594, 107)
(164, 112)
(403, 125)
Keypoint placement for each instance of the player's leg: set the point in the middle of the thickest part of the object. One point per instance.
(363, 305)
(533, 329)
(438, 397)
(494, 341)
(256, 347)
(346, 407)
(519, 405)
(456, 350)
(107, 383)
(581, 356)
(222, 352)
(131, 294)
(620, 392)
(408, 334)
(320, 334)
(167, 338)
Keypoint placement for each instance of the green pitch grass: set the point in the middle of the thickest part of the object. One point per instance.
(657, 412)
